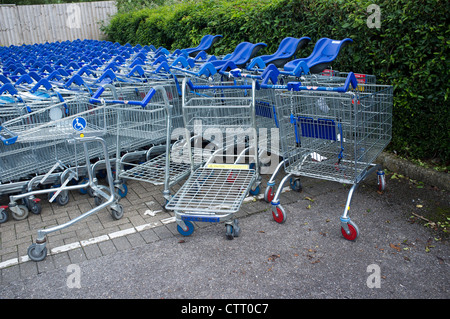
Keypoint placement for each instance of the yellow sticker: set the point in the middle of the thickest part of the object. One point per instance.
(81, 135)
(229, 166)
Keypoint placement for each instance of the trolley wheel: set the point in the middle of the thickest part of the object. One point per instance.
(34, 255)
(269, 194)
(83, 190)
(296, 185)
(189, 231)
(117, 212)
(23, 212)
(122, 190)
(381, 179)
(353, 231)
(255, 191)
(90, 191)
(4, 216)
(101, 174)
(63, 198)
(35, 207)
(232, 230)
(98, 200)
(278, 214)
(229, 232)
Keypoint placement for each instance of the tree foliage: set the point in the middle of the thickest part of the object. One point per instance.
(34, 2)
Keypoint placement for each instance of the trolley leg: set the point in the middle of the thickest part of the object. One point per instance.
(348, 228)
(276, 200)
(269, 194)
(278, 212)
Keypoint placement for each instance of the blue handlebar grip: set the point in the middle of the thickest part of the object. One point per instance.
(148, 97)
(8, 87)
(96, 95)
(42, 82)
(8, 141)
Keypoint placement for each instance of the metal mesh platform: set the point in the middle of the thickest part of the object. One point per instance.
(153, 171)
(210, 189)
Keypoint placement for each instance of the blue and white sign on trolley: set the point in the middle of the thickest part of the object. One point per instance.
(79, 123)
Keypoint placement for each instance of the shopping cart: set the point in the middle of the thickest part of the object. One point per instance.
(85, 127)
(267, 109)
(151, 122)
(222, 113)
(333, 133)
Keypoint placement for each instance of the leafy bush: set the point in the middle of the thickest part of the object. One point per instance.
(410, 51)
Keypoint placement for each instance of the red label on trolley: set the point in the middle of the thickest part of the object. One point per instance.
(360, 78)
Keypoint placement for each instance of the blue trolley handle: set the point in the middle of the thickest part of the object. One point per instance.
(297, 86)
(96, 98)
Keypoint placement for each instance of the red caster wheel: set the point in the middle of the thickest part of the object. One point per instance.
(352, 233)
(279, 214)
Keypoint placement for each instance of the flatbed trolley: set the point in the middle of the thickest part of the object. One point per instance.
(224, 114)
(333, 133)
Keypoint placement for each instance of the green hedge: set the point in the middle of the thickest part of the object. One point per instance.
(410, 51)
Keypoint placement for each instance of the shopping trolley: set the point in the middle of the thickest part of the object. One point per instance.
(85, 127)
(333, 133)
(149, 121)
(222, 113)
(267, 108)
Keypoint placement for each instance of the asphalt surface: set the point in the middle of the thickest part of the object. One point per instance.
(395, 256)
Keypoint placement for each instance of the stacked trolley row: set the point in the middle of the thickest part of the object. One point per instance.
(318, 128)
(37, 158)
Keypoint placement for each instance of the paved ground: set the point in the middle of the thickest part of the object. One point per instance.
(143, 256)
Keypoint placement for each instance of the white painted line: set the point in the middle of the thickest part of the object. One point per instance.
(146, 226)
(8, 263)
(121, 233)
(64, 248)
(168, 220)
(24, 259)
(94, 240)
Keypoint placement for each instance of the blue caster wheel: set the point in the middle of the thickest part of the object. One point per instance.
(255, 191)
(188, 231)
(295, 184)
(122, 190)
